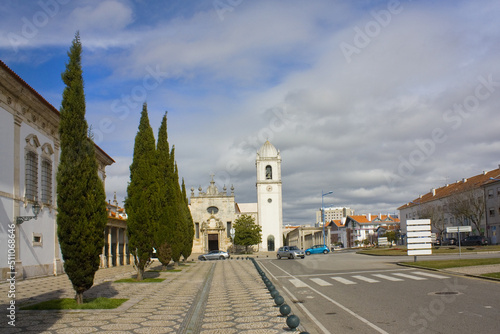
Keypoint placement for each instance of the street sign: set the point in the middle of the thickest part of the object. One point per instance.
(419, 237)
(458, 229)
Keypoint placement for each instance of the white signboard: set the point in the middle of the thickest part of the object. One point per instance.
(382, 241)
(457, 229)
(419, 237)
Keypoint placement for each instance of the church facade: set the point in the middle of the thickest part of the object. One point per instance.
(214, 212)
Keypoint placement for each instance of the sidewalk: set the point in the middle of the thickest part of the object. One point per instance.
(205, 297)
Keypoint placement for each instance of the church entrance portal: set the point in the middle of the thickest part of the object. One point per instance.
(213, 242)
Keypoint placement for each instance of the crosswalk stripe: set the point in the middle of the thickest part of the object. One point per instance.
(416, 278)
(389, 278)
(343, 280)
(320, 282)
(298, 283)
(366, 279)
(429, 275)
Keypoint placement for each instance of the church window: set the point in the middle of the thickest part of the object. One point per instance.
(228, 229)
(212, 210)
(269, 172)
(31, 175)
(46, 181)
(197, 230)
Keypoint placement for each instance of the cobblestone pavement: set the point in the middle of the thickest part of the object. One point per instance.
(205, 297)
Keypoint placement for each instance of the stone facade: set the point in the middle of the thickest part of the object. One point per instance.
(213, 214)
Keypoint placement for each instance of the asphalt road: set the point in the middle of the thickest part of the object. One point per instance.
(349, 293)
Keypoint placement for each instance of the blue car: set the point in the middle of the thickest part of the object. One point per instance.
(317, 249)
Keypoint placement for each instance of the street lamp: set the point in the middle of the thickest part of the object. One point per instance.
(35, 207)
(323, 213)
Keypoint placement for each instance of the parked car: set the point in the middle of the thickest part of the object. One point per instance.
(290, 252)
(214, 255)
(437, 242)
(317, 249)
(474, 240)
(449, 242)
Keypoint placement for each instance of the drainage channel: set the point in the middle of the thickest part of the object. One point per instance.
(192, 322)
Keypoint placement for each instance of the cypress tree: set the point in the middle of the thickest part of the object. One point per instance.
(142, 202)
(188, 225)
(81, 200)
(176, 230)
(162, 245)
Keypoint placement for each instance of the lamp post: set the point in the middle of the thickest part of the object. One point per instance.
(35, 207)
(323, 213)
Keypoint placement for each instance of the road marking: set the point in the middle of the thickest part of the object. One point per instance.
(320, 282)
(366, 279)
(298, 283)
(343, 280)
(416, 278)
(354, 314)
(389, 278)
(309, 314)
(429, 275)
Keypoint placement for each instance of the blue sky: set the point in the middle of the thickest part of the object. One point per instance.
(378, 101)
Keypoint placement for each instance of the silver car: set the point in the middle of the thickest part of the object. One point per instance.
(214, 255)
(290, 252)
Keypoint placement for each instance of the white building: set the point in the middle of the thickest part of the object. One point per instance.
(333, 213)
(214, 211)
(481, 191)
(30, 157)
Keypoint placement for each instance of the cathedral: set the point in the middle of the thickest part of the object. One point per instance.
(214, 212)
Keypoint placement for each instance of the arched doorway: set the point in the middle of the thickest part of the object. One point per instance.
(270, 243)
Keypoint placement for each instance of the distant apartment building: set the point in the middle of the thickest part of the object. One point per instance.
(473, 201)
(333, 213)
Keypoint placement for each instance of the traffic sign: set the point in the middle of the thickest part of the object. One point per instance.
(458, 229)
(419, 237)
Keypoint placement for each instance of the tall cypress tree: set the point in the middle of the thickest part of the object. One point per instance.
(81, 200)
(162, 245)
(142, 202)
(176, 230)
(188, 225)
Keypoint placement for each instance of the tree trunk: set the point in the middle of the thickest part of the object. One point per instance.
(140, 274)
(79, 298)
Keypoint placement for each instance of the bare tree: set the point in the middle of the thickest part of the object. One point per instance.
(435, 214)
(468, 207)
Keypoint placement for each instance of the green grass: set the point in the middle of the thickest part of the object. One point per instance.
(492, 275)
(70, 304)
(145, 280)
(165, 270)
(401, 250)
(444, 264)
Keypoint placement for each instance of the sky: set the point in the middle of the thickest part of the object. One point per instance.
(376, 101)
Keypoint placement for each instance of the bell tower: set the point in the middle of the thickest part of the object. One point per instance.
(269, 198)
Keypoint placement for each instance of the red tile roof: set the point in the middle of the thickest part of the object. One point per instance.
(470, 183)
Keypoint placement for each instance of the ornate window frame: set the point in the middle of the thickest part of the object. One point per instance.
(31, 167)
(47, 174)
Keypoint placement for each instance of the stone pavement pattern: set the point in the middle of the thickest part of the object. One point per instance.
(236, 301)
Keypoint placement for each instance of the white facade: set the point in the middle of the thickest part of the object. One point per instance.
(29, 140)
(269, 196)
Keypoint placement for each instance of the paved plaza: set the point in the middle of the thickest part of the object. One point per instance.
(204, 297)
